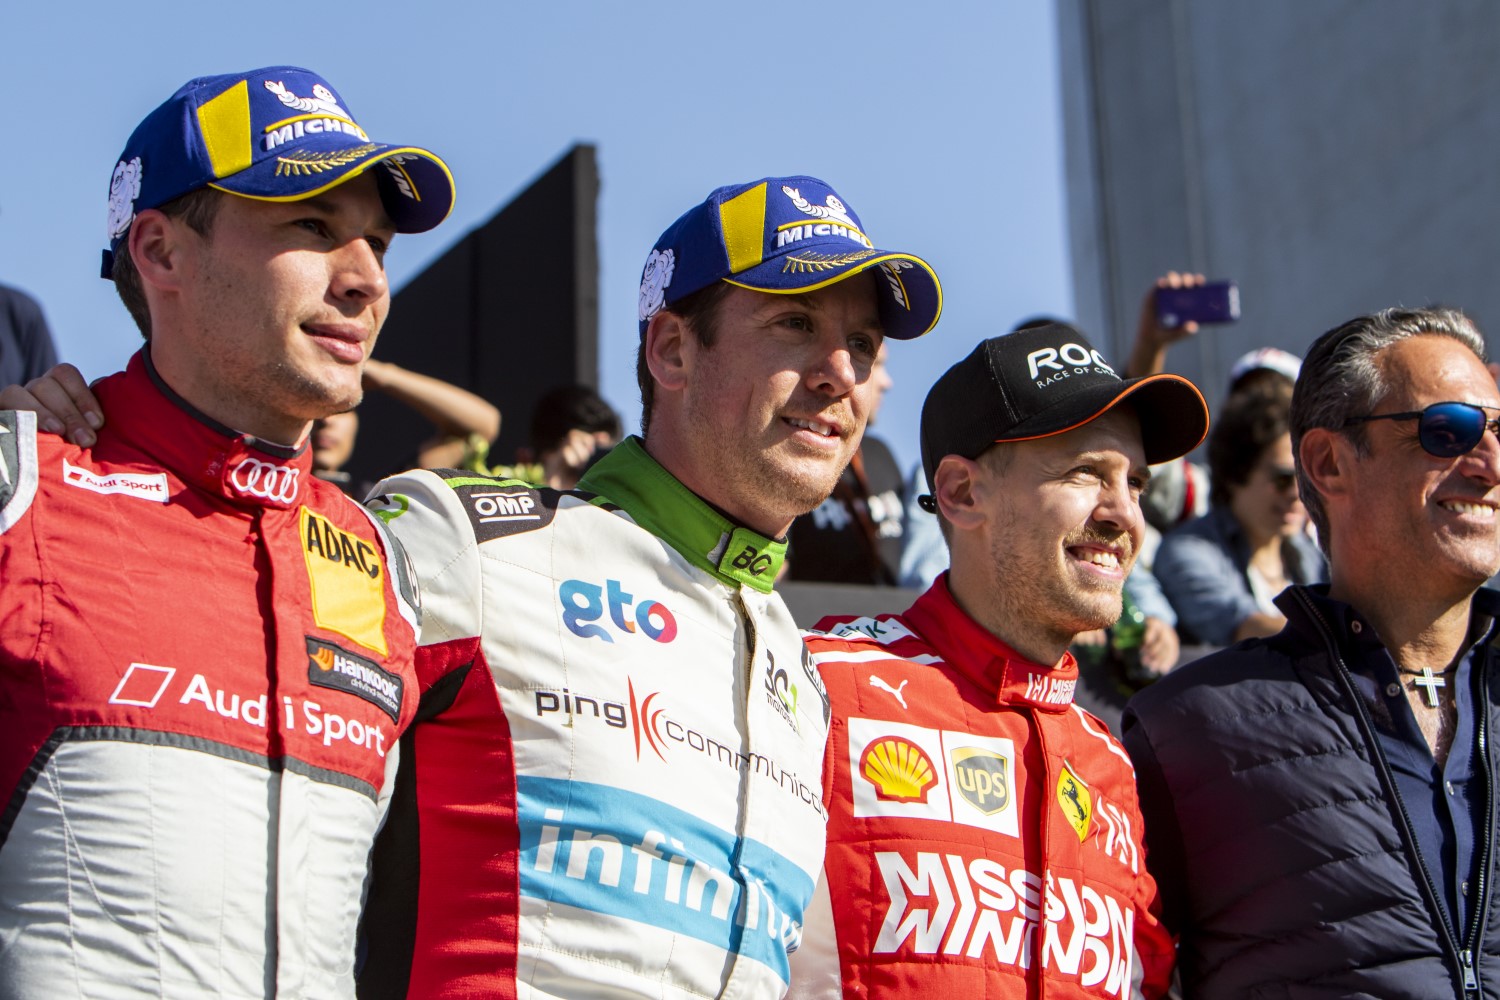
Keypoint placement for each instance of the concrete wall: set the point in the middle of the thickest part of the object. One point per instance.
(1332, 156)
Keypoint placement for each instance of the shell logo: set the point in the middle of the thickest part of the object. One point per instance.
(323, 658)
(900, 770)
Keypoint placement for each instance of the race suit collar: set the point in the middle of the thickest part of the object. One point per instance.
(977, 653)
(241, 468)
(631, 479)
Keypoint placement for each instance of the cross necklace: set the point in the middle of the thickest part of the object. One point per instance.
(1429, 682)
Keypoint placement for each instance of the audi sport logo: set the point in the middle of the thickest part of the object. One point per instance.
(266, 480)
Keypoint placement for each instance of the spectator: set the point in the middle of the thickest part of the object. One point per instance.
(855, 535)
(1222, 572)
(206, 653)
(572, 427)
(26, 347)
(1320, 804)
(956, 751)
(462, 421)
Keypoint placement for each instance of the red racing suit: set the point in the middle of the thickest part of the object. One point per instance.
(205, 668)
(984, 838)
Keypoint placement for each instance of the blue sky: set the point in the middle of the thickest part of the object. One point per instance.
(939, 124)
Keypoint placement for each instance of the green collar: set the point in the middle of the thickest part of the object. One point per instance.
(652, 496)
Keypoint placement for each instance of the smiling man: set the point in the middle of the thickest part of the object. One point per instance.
(206, 653)
(1321, 803)
(613, 786)
(983, 835)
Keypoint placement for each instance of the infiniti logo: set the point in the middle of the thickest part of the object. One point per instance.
(276, 483)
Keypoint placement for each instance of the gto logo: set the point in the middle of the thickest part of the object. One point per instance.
(584, 603)
(266, 480)
(1075, 355)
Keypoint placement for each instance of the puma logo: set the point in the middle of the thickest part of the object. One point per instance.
(894, 692)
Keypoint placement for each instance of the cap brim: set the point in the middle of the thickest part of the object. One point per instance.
(911, 297)
(416, 186)
(1172, 412)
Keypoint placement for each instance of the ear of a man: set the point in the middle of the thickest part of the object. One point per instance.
(1324, 456)
(669, 350)
(155, 245)
(957, 485)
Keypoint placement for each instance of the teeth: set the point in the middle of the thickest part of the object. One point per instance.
(1100, 558)
(816, 427)
(1462, 507)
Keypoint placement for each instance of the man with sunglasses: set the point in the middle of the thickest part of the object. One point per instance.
(1320, 804)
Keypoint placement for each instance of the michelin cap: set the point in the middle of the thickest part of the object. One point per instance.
(785, 235)
(275, 134)
(1267, 359)
(1047, 380)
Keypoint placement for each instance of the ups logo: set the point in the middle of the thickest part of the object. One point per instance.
(983, 778)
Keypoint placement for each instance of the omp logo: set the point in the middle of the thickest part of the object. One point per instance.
(143, 486)
(584, 603)
(1076, 356)
(752, 561)
(976, 909)
(982, 777)
(505, 505)
(266, 480)
(899, 769)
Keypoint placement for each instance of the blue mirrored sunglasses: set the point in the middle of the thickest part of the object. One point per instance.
(1445, 430)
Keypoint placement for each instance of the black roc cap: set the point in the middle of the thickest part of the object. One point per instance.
(1047, 380)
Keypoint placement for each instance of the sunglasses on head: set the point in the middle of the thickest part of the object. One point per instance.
(1445, 430)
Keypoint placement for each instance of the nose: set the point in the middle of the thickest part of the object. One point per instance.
(1119, 507)
(359, 275)
(1482, 464)
(835, 373)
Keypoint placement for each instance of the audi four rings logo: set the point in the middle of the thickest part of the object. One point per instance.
(276, 483)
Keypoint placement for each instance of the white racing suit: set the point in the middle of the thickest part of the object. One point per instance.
(613, 786)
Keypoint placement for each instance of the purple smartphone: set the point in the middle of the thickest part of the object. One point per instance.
(1215, 302)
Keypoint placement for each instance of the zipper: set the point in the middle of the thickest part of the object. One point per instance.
(1479, 912)
(1463, 957)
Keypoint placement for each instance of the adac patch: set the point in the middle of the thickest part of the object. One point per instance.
(500, 507)
(18, 471)
(1076, 802)
(333, 666)
(347, 579)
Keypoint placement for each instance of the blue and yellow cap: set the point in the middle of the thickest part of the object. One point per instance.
(275, 134)
(785, 235)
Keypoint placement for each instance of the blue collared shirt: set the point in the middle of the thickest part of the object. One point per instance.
(1445, 804)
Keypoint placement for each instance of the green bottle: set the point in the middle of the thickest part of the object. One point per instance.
(1125, 637)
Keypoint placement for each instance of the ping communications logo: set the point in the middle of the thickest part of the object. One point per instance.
(584, 603)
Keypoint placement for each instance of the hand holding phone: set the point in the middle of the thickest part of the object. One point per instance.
(1213, 302)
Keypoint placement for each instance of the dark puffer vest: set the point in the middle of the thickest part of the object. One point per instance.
(1284, 854)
